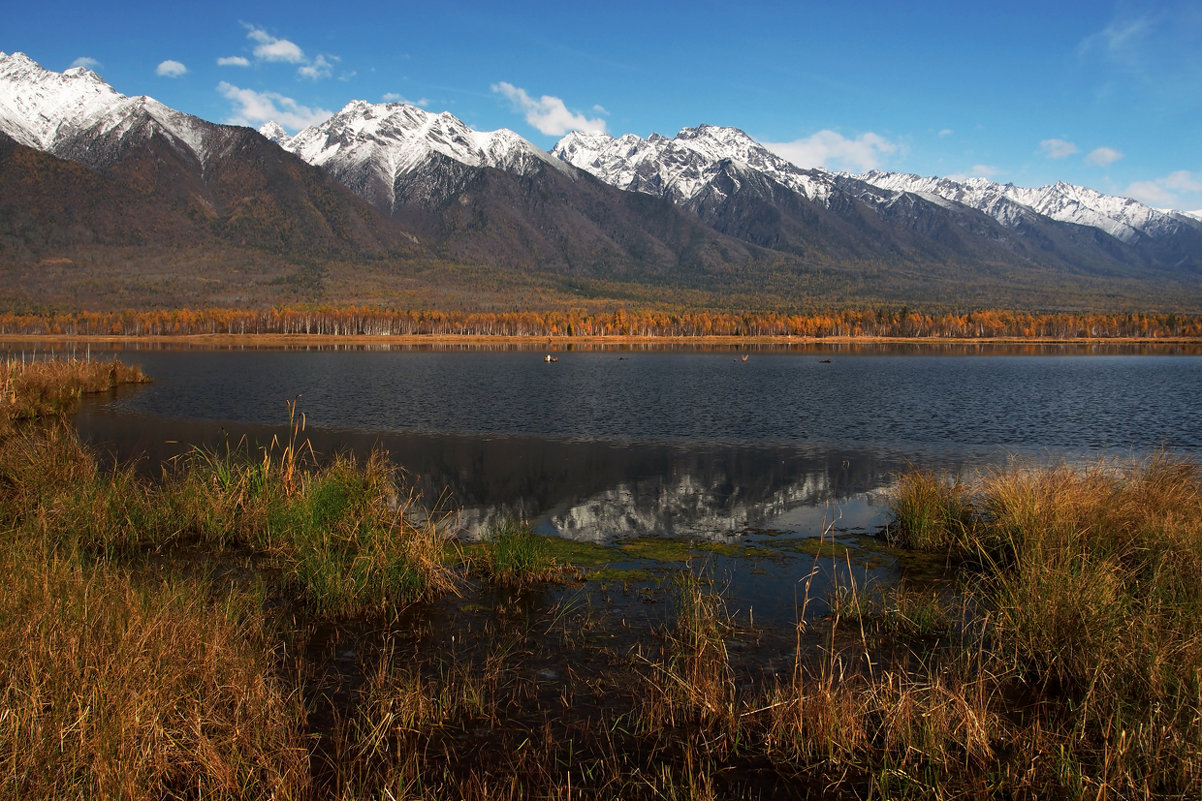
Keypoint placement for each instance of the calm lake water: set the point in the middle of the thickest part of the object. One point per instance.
(603, 443)
(604, 446)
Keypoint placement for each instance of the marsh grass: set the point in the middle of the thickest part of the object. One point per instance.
(930, 513)
(1100, 608)
(513, 555)
(42, 388)
(115, 686)
(1087, 586)
(352, 544)
(1064, 660)
(693, 680)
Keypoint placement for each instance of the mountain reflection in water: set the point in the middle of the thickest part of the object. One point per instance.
(698, 444)
(583, 490)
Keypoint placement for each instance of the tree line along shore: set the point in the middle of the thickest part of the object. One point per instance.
(583, 324)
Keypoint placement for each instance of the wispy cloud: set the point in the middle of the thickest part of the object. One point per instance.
(1102, 156)
(1179, 189)
(833, 151)
(270, 48)
(320, 67)
(1057, 148)
(1122, 41)
(549, 115)
(255, 108)
(87, 62)
(170, 69)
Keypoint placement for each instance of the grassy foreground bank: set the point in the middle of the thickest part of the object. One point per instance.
(164, 639)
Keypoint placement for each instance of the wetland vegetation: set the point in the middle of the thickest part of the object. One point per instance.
(263, 623)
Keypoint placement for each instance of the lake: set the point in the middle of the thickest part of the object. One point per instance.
(608, 443)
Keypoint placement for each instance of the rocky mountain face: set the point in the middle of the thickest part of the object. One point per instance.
(372, 148)
(495, 197)
(202, 182)
(738, 186)
(709, 209)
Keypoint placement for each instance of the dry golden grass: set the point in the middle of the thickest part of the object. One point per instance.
(31, 389)
(112, 686)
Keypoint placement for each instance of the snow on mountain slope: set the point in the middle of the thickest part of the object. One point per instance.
(369, 146)
(67, 113)
(275, 133)
(681, 167)
(1122, 218)
(37, 106)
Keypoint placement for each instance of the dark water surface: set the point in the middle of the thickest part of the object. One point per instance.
(607, 445)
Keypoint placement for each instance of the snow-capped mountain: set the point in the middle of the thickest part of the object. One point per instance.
(105, 170)
(1125, 219)
(75, 114)
(710, 209)
(371, 147)
(680, 168)
(740, 188)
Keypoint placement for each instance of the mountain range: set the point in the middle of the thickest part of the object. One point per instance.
(121, 201)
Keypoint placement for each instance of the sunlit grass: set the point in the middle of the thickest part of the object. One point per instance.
(113, 685)
(41, 388)
(514, 555)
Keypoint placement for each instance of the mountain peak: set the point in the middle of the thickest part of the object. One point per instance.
(35, 103)
(682, 167)
(380, 142)
(274, 132)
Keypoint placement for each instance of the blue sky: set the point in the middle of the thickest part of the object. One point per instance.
(1107, 95)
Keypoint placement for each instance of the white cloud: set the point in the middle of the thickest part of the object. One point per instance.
(1175, 190)
(255, 108)
(1103, 156)
(233, 61)
(1057, 148)
(170, 69)
(831, 150)
(548, 114)
(269, 48)
(87, 62)
(946, 132)
(319, 67)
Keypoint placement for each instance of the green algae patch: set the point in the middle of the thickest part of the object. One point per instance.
(660, 549)
(580, 554)
(823, 548)
(625, 576)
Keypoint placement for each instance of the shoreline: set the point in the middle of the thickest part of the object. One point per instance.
(558, 341)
